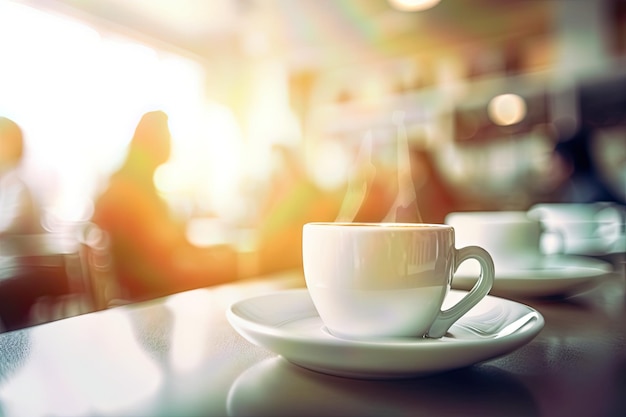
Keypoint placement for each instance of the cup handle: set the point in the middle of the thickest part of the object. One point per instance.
(446, 318)
(553, 241)
(609, 233)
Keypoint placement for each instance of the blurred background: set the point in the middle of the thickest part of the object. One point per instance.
(489, 88)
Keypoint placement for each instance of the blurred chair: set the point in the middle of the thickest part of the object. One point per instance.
(91, 284)
(37, 271)
(100, 283)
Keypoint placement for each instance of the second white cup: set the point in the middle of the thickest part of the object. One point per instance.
(512, 237)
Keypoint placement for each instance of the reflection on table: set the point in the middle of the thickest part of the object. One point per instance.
(36, 267)
(179, 356)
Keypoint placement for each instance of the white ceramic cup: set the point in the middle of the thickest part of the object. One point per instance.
(377, 280)
(591, 226)
(512, 237)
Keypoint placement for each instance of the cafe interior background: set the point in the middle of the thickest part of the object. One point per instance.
(487, 86)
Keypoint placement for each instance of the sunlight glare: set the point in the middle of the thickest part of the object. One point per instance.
(507, 109)
(413, 5)
(191, 312)
(73, 380)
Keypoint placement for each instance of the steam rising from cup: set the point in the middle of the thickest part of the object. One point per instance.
(404, 208)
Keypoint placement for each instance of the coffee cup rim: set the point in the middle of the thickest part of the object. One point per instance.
(380, 225)
(492, 217)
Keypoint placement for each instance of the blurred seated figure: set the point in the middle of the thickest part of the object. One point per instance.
(579, 179)
(150, 251)
(292, 199)
(30, 269)
(609, 154)
(19, 214)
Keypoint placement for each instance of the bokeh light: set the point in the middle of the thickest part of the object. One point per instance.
(413, 5)
(507, 109)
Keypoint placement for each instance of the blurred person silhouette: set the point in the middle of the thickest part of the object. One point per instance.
(577, 178)
(19, 211)
(292, 199)
(26, 277)
(151, 253)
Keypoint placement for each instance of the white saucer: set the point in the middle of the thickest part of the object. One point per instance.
(555, 275)
(594, 246)
(287, 323)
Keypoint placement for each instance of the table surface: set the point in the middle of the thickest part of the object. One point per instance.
(180, 356)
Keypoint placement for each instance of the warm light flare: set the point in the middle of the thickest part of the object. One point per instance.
(413, 5)
(191, 328)
(507, 109)
(169, 178)
(90, 90)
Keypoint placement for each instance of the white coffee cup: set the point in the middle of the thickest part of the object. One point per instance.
(583, 226)
(377, 280)
(512, 237)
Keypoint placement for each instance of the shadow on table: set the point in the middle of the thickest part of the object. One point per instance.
(276, 387)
